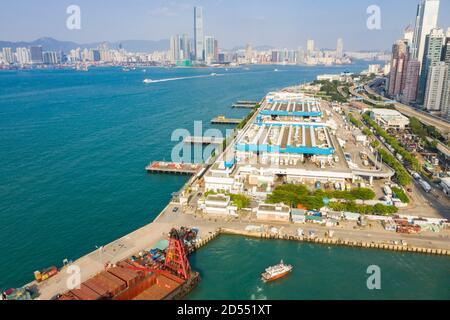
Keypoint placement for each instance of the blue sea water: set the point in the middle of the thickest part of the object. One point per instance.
(74, 145)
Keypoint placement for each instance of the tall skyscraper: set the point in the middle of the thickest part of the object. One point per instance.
(408, 35)
(436, 85)
(249, 53)
(310, 47)
(185, 47)
(340, 48)
(36, 54)
(432, 55)
(300, 56)
(409, 93)
(199, 36)
(174, 53)
(426, 20)
(399, 63)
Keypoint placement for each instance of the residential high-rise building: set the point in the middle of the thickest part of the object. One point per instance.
(249, 53)
(185, 48)
(436, 85)
(36, 54)
(432, 55)
(50, 57)
(199, 35)
(8, 55)
(399, 63)
(210, 49)
(310, 47)
(300, 56)
(340, 48)
(174, 53)
(23, 55)
(409, 93)
(446, 60)
(426, 20)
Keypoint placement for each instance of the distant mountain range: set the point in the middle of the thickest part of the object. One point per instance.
(50, 44)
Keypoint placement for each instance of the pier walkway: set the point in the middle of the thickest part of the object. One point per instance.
(172, 167)
(203, 140)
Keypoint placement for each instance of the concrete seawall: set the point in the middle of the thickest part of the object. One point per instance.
(329, 241)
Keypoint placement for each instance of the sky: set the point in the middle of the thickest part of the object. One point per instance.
(278, 23)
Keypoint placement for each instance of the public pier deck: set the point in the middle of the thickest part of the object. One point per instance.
(172, 167)
(203, 140)
(223, 120)
(245, 104)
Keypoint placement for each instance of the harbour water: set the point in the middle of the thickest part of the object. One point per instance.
(74, 146)
(230, 267)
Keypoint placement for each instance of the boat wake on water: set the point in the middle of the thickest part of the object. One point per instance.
(148, 81)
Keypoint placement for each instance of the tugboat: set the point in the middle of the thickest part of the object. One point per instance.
(276, 272)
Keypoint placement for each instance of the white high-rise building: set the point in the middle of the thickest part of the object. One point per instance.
(199, 35)
(340, 48)
(408, 35)
(23, 55)
(426, 20)
(436, 85)
(174, 48)
(8, 55)
(310, 47)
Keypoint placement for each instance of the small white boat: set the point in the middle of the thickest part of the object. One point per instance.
(275, 70)
(213, 74)
(148, 81)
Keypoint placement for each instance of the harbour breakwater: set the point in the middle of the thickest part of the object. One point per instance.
(323, 241)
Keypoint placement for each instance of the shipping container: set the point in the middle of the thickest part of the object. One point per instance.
(85, 293)
(129, 276)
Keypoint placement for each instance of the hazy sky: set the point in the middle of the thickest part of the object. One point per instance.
(280, 23)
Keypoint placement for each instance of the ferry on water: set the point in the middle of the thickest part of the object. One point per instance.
(276, 272)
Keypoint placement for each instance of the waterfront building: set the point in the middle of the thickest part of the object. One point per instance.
(218, 204)
(210, 49)
(292, 139)
(199, 36)
(310, 48)
(436, 86)
(23, 56)
(399, 62)
(426, 20)
(273, 212)
(51, 57)
(412, 80)
(36, 54)
(8, 56)
(174, 48)
(432, 56)
(340, 49)
(300, 56)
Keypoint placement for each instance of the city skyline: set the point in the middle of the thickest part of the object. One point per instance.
(231, 22)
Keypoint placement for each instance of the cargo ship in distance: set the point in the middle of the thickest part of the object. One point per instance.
(276, 272)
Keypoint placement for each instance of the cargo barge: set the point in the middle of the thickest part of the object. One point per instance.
(153, 275)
